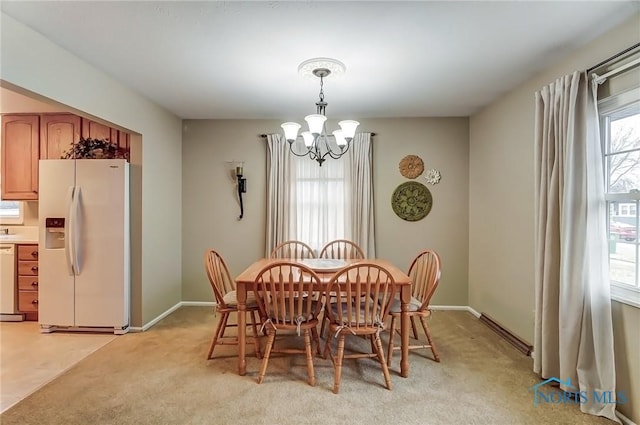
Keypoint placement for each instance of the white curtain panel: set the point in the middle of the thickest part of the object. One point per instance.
(321, 200)
(573, 325)
(360, 183)
(281, 223)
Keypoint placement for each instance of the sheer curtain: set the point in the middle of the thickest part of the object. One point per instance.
(317, 204)
(321, 200)
(573, 325)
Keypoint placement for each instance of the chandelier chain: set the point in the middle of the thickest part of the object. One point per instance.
(321, 105)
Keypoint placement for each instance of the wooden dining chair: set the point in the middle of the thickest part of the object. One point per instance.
(339, 249)
(224, 291)
(293, 250)
(342, 249)
(288, 295)
(362, 294)
(425, 275)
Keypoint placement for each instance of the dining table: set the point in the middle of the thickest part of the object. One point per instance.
(245, 280)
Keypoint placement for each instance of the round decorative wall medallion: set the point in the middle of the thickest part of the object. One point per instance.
(433, 176)
(411, 166)
(411, 201)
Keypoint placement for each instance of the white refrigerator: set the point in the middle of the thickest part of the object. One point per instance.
(84, 245)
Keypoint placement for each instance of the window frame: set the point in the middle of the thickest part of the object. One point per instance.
(14, 220)
(607, 108)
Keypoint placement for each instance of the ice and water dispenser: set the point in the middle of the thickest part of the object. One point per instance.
(55, 233)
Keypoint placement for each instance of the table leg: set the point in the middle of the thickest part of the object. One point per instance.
(405, 321)
(241, 293)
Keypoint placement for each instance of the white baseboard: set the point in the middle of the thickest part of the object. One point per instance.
(212, 304)
(147, 325)
(171, 310)
(455, 307)
(197, 304)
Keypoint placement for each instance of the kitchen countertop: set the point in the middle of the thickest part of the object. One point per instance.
(17, 239)
(20, 235)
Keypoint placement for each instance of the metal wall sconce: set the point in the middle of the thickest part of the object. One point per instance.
(235, 172)
(242, 187)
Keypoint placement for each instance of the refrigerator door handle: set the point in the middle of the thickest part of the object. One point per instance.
(68, 239)
(77, 231)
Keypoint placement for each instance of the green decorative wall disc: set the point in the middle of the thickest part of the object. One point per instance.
(411, 201)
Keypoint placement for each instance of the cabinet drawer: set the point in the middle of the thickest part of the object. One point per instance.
(27, 252)
(27, 301)
(27, 268)
(28, 283)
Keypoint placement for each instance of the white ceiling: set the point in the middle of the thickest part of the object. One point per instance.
(237, 59)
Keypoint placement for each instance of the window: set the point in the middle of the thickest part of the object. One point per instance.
(620, 127)
(321, 202)
(10, 212)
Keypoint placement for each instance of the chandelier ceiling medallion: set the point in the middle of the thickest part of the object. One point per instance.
(317, 144)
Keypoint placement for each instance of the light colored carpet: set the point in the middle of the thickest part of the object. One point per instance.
(161, 377)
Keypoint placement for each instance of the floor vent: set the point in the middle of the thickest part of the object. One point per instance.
(520, 344)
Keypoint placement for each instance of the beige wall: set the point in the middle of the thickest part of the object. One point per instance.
(210, 209)
(30, 213)
(501, 202)
(209, 202)
(442, 143)
(627, 348)
(31, 62)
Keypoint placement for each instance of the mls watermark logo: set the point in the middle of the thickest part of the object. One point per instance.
(557, 396)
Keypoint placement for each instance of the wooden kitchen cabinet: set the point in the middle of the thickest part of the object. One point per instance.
(95, 130)
(27, 138)
(124, 144)
(58, 132)
(20, 155)
(27, 280)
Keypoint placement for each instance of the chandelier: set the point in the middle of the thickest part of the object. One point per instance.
(317, 143)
